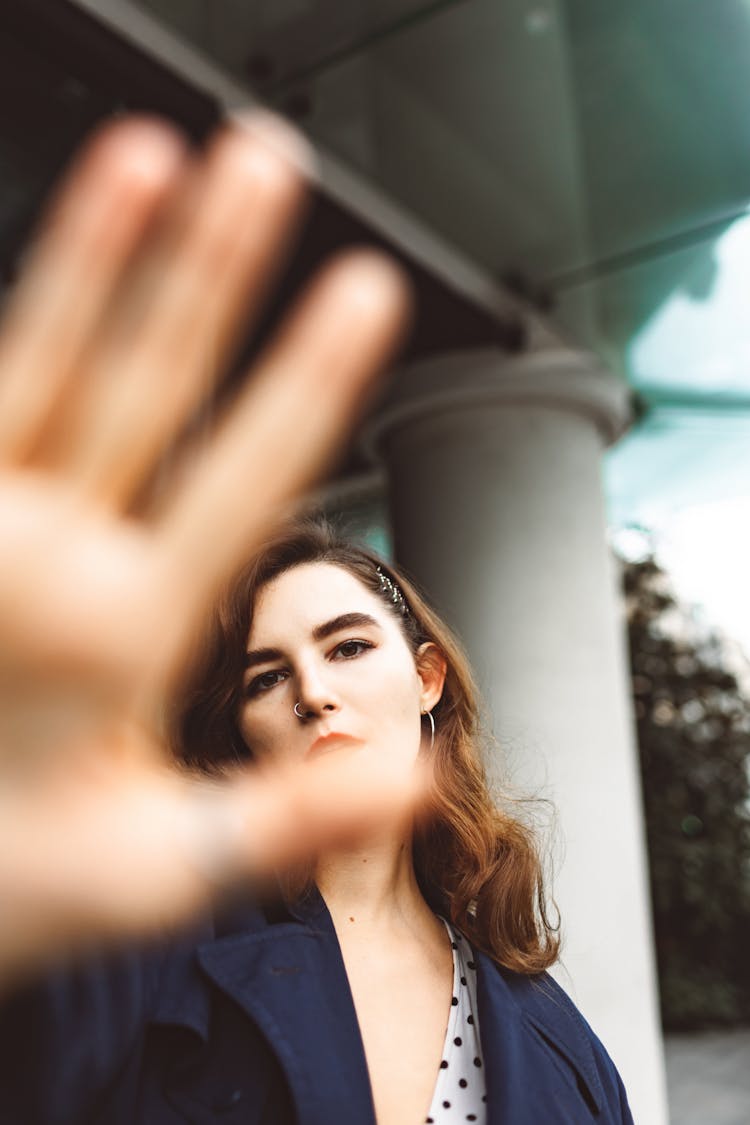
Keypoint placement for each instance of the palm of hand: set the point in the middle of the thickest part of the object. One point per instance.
(89, 618)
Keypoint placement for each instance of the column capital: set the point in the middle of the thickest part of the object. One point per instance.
(560, 379)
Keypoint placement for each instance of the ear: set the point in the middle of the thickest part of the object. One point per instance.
(431, 669)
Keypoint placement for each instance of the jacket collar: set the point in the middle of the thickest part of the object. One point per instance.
(183, 996)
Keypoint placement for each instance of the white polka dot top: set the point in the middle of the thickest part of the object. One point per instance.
(460, 1091)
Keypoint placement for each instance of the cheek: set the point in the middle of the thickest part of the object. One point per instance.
(395, 695)
(409, 685)
(248, 730)
(261, 732)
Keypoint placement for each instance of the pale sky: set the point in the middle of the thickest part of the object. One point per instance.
(706, 550)
(685, 472)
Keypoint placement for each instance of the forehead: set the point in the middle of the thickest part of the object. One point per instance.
(308, 595)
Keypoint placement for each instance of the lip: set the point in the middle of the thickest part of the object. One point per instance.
(332, 740)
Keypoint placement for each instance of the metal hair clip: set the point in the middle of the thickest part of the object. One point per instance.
(389, 587)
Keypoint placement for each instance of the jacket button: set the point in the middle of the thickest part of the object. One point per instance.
(227, 1099)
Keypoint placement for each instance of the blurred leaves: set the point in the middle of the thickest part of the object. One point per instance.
(691, 692)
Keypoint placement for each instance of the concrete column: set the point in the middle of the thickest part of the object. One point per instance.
(497, 511)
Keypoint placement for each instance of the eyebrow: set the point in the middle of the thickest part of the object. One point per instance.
(320, 632)
(343, 621)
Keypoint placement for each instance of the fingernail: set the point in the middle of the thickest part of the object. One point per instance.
(146, 142)
(281, 137)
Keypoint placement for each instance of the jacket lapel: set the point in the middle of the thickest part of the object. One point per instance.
(290, 979)
(539, 1065)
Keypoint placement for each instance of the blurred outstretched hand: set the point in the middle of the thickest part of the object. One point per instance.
(146, 270)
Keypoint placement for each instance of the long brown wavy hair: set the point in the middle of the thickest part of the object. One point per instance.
(477, 863)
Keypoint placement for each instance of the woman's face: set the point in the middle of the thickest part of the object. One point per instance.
(321, 640)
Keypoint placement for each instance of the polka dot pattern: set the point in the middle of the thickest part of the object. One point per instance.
(460, 1091)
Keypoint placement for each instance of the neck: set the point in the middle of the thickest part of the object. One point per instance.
(375, 885)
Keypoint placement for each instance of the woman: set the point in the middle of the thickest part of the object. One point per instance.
(438, 926)
(400, 981)
(328, 1002)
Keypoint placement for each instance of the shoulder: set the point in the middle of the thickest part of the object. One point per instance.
(562, 1033)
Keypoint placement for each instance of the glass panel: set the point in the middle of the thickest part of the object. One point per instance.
(590, 154)
(271, 42)
(543, 137)
(467, 119)
(547, 140)
(663, 103)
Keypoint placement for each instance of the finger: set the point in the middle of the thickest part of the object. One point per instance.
(292, 814)
(199, 283)
(307, 391)
(141, 852)
(98, 217)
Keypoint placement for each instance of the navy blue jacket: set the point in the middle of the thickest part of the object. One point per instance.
(254, 1024)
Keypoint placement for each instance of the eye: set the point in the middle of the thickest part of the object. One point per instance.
(265, 681)
(348, 650)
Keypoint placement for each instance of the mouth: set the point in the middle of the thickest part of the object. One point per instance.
(329, 742)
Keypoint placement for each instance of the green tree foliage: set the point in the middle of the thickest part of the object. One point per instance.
(693, 723)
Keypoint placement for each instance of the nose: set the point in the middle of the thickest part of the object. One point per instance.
(305, 712)
(315, 698)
